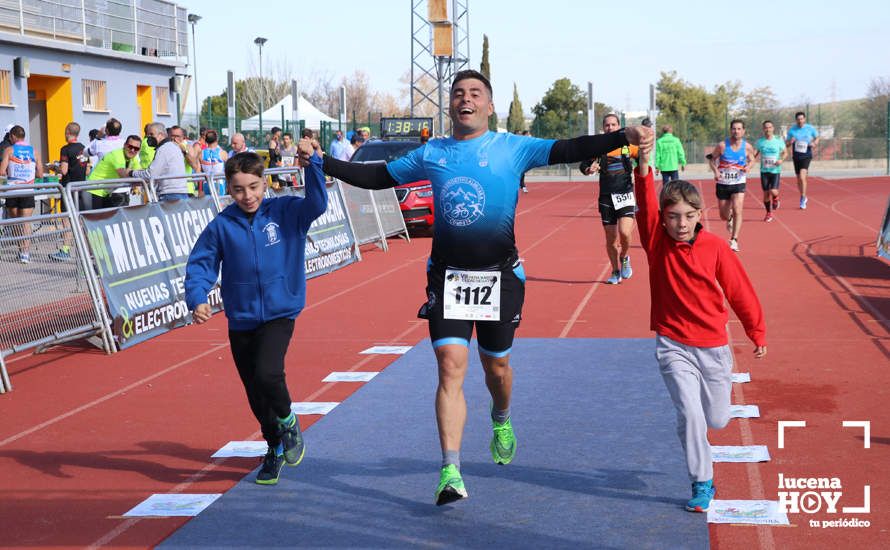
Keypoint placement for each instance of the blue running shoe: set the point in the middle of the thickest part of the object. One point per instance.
(614, 279)
(271, 468)
(292, 440)
(626, 271)
(702, 494)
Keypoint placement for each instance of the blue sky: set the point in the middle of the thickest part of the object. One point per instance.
(813, 49)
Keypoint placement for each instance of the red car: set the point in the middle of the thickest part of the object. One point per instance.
(415, 198)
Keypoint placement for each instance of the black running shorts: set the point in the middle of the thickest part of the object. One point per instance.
(725, 192)
(495, 338)
(802, 163)
(20, 202)
(610, 215)
(769, 180)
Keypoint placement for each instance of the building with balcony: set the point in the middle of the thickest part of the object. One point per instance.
(88, 60)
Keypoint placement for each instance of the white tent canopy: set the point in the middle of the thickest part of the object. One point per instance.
(272, 116)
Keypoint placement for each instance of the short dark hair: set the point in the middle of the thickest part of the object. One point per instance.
(113, 127)
(275, 129)
(244, 163)
(737, 121)
(470, 73)
(288, 134)
(611, 115)
(133, 137)
(211, 137)
(306, 133)
(647, 122)
(17, 132)
(765, 122)
(800, 113)
(94, 133)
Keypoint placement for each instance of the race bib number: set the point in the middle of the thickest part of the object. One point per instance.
(732, 177)
(770, 162)
(801, 146)
(620, 200)
(287, 160)
(472, 295)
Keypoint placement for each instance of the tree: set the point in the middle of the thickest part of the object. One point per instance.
(695, 113)
(516, 118)
(215, 107)
(758, 105)
(485, 69)
(872, 114)
(562, 112)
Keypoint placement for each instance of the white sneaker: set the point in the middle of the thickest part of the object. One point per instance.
(734, 245)
(525, 189)
(803, 203)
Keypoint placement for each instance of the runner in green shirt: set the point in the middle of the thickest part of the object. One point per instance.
(669, 155)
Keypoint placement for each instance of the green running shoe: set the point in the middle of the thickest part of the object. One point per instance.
(451, 486)
(503, 442)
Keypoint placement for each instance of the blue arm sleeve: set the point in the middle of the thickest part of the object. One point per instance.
(202, 269)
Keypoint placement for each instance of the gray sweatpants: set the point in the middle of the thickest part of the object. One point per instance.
(699, 381)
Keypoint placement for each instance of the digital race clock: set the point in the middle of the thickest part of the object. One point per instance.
(404, 127)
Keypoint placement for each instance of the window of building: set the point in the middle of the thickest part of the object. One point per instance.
(5, 88)
(94, 95)
(162, 100)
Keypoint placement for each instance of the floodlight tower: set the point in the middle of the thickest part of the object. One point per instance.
(440, 47)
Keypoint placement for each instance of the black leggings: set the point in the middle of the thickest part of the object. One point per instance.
(259, 356)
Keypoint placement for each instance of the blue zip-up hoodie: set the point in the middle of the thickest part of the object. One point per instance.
(263, 260)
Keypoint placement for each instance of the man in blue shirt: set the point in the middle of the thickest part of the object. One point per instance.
(802, 138)
(474, 277)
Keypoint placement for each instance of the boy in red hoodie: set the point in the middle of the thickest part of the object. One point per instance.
(690, 273)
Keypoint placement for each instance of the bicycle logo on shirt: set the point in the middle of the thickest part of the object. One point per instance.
(463, 201)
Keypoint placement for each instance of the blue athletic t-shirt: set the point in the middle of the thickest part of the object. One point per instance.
(803, 134)
(475, 189)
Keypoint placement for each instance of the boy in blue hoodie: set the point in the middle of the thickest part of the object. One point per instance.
(260, 244)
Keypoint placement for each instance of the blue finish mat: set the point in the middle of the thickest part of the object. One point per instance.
(598, 464)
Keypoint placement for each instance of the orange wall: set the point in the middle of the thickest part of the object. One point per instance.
(59, 109)
(143, 99)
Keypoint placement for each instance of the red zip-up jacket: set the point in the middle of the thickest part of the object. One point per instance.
(689, 281)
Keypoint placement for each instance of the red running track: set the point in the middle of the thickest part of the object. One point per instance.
(86, 436)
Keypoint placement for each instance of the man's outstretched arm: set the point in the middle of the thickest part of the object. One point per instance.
(566, 151)
(366, 176)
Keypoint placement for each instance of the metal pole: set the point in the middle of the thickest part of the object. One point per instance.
(591, 110)
(440, 69)
(262, 92)
(195, 73)
(230, 103)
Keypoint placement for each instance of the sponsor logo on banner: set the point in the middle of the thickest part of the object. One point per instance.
(141, 253)
(330, 243)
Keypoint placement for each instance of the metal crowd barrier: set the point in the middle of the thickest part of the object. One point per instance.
(73, 189)
(46, 299)
(50, 301)
(365, 207)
